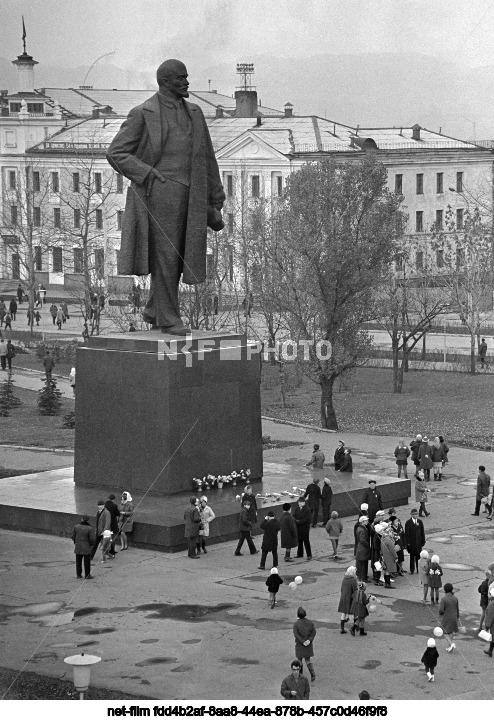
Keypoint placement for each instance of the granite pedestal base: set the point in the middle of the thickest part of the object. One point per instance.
(155, 411)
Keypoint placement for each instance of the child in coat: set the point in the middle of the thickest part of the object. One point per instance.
(483, 589)
(429, 659)
(360, 610)
(273, 583)
(423, 571)
(435, 583)
(334, 527)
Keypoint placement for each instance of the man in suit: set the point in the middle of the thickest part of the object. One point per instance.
(165, 149)
(414, 538)
(373, 499)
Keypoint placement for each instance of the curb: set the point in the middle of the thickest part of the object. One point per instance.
(298, 425)
(37, 448)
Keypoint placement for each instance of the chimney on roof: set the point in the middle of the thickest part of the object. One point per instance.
(258, 121)
(416, 131)
(245, 94)
(288, 110)
(219, 112)
(25, 73)
(95, 114)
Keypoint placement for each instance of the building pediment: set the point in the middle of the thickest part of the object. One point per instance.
(250, 146)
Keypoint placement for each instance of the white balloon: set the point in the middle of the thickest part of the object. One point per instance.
(292, 585)
(372, 608)
(438, 632)
(298, 579)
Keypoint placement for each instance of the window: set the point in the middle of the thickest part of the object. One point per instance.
(97, 183)
(57, 260)
(13, 214)
(279, 185)
(439, 219)
(57, 218)
(10, 139)
(119, 219)
(255, 186)
(399, 262)
(37, 217)
(99, 262)
(419, 221)
(440, 258)
(16, 266)
(399, 184)
(119, 183)
(38, 258)
(35, 108)
(99, 219)
(15, 107)
(460, 258)
(419, 260)
(439, 182)
(36, 181)
(77, 218)
(12, 180)
(420, 183)
(55, 182)
(459, 182)
(75, 183)
(230, 223)
(78, 261)
(229, 186)
(459, 219)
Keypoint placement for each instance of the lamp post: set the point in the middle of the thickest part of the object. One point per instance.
(81, 668)
(42, 294)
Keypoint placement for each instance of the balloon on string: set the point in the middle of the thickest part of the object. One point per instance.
(292, 585)
(372, 608)
(438, 631)
(298, 580)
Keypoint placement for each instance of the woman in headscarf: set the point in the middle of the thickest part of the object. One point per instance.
(348, 591)
(389, 554)
(126, 519)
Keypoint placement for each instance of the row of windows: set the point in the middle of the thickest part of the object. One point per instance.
(439, 221)
(78, 259)
(57, 217)
(54, 182)
(419, 183)
(254, 189)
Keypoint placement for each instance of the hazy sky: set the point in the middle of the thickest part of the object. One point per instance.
(143, 32)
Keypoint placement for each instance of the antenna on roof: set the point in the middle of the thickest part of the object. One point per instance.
(356, 131)
(24, 35)
(209, 83)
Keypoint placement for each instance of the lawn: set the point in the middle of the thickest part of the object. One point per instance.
(455, 405)
(27, 427)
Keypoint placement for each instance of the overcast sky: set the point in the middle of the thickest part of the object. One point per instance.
(143, 32)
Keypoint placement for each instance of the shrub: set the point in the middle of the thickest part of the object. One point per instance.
(49, 399)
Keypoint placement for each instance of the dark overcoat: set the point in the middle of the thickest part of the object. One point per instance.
(449, 611)
(303, 630)
(135, 149)
(288, 535)
(192, 520)
(348, 591)
(363, 549)
(271, 529)
(303, 518)
(414, 536)
(83, 537)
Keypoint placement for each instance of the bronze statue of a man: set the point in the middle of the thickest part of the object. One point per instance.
(165, 149)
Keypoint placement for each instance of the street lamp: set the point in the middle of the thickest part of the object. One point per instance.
(81, 667)
(42, 295)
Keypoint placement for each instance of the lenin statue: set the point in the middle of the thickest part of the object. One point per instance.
(165, 149)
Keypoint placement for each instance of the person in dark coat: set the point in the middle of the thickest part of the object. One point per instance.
(363, 548)
(273, 582)
(192, 519)
(338, 455)
(489, 621)
(53, 313)
(483, 486)
(83, 537)
(165, 150)
(295, 686)
(248, 497)
(449, 609)
(13, 308)
(317, 462)
(402, 452)
(360, 609)
(483, 589)
(313, 493)
(271, 527)
(245, 527)
(429, 658)
(414, 449)
(482, 353)
(302, 516)
(414, 538)
(347, 462)
(304, 632)
(326, 500)
(288, 531)
(103, 522)
(349, 587)
(373, 499)
(425, 458)
(111, 506)
(20, 294)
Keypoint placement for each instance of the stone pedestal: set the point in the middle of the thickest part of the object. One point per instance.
(155, 411)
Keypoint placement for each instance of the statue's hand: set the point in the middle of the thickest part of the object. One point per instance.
(158, 175)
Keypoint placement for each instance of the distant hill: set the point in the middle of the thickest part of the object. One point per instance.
(366, 89)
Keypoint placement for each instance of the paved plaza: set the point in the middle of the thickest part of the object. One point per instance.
(168, 627)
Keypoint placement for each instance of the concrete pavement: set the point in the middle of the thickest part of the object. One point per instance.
(169, 627)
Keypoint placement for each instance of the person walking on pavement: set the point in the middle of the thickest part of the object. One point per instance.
(245, 527)
(449, 609)
(483, 485)
(313, 493)
(425, 458)
(48, 364)
(37, 317)
(360, 609)
(126, 519)
(288, 532)
(295, 686)
(248, 497)
(437, 458)
(103, 522)
(302, 516)
(13, 308)
(3, 311)
(83, 538)
(414, 538)
(483, 353)
(273, 582)
(53, 313)
(10, 354)
(304, 632)
(349, 587)
(65, 311)
(3, 354)
(334, 528)
(421, 492)
(363, 548)
(60, 318)
(373, 499)
(414, 449)
(20, 294)
(111, 506)
(326, 500)
(271, 527)
(192, 520)
(8, 321)
(338, 455)
(317, 463)
(402, 452)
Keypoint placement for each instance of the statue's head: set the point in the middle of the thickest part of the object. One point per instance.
(172, 76)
